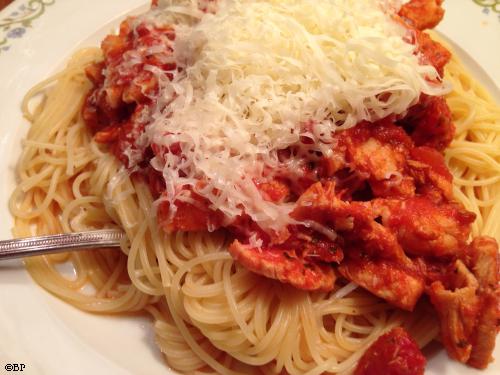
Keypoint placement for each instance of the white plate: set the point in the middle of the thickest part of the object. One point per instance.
(51, 337)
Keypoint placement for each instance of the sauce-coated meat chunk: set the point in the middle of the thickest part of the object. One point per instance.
(466, 300)
(386, 280)
(424, 228)
(422, 14)
(432, 178)
(378, 153)
(429, 122)
(282, 265)
(353, 221)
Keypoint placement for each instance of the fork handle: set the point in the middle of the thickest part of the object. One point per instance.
(57, 243)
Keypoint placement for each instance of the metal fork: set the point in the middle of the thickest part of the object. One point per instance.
(57, 243)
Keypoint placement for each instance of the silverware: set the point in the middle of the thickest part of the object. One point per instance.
(57, 243)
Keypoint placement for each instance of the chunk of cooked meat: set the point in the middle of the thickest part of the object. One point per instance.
(302, 258)
(483, 259)
(467, 302)
(431, 175)
(457, 309)
(485, 333)
(424, 228)
(378, 153)
(387, 280)
(353, 221)
(280, 265)
(394, 353)
(429, 122)
(422, 14)
(377, 149)
(117, 107)
(431, 52)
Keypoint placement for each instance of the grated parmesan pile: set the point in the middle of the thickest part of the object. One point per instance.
(256, 77)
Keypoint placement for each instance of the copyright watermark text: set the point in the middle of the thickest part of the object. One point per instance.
(14, 367)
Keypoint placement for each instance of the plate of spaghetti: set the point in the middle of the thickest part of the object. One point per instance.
(306, 187)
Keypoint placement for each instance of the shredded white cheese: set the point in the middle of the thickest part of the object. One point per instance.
(256, 76)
